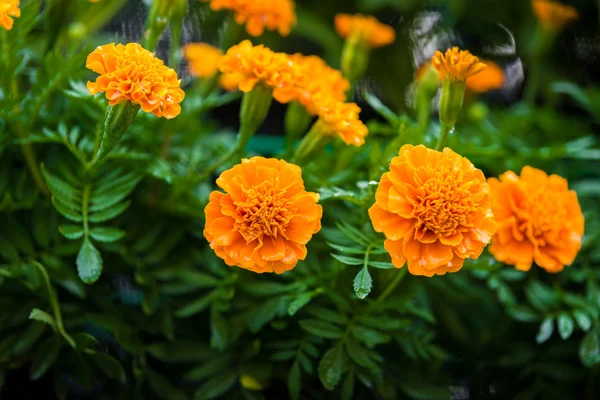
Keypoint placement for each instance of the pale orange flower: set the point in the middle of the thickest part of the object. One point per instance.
(203, 59)
(434, 209)
(456, 65)
(8, 9)
(553, 15)
(364, 29)
(317, 79)
(132, 73)
(258, 64)
(539, 220)
(265, 217)
(337, 118)
(260, 14)
(490, 78)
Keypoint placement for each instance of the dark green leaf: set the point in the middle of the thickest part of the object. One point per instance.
(208, 369)
(181, 351)
(348, 386)
(293, 382)
(163, 388)
(583, 320)
(111, 367)
(263, 314)
(43, 316)
(217, 386)
(363, 283)
(106, 234)
(589, 350)
(219, 330)
(195, 306)
(89, 262)
(84, 340)
(348, 260)
(370, 336)
(359, 354)
(326, 314)
(381, 264)
(299, 302)
(28, 337)
(72, 232)
(384, 323)
(44, 357)
(67, 212)
(109, 213)
(331, 367)
(321, 328)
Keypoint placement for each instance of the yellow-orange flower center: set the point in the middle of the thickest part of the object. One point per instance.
(265, 211)
(8, 9)
(443, 205)
(456, 65)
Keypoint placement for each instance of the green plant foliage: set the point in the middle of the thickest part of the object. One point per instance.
(109, 288)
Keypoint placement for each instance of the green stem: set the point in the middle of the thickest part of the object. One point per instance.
(391, 286)
(34, 168)
(444, 131)
(85, 199)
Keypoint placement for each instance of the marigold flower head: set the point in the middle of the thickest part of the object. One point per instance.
(553, 15)
(258, 64)
(265, 217)
(203, 59)
(456, 65)
(8, 9)
(365, 29)
(490, 78)
(317, 79)
(340, 119)
(131, 73)
(434, 209)
(539, 220)
(260, 14)
(230, 81)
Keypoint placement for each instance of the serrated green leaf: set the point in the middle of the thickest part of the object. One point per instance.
(43, 316)
(326, 314)
(348, 260)
(381, 264)
(72, 232)
(111, 198)
(359, 354)
(353, 234)
(44, 357)
(109, 213)
(346, 249)
(384, 323)
(589, 350)
(331, 367)
(89, 262)
(299, 302)
(66, 211)
(283, 355)
(61, 189)
(369, 336)
(106, 234)
(84, 341)
(321, 328)
(583, 320)
(348, 386)
(219, 329)
(262, 314)
(363, 283)
(195, 306)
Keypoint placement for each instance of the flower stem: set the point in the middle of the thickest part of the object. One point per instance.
(34, 169)
(444, 131)
(391, 286)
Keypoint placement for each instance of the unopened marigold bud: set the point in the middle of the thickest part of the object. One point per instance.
(254, 110)
(161, 13)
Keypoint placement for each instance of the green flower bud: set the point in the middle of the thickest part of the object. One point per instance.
(451, 101)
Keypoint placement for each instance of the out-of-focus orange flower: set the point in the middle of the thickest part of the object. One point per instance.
(539, 219)
(553, 15)
(265, 217)
(203, 59)
(364, 29)
(258, 64)
(230, 81)
(317, 79)
(456, 65)
(434, 209)
(260, 14)
(490, 78)
(340, 119)
(8, 9)
(131, 73)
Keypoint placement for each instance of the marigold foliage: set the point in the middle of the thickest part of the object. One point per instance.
(259, 15)
(265, 218)
(131, 73)
(539, 220)
(553, 15)
(9, 9)
(456, 65)
(203, 59)
(364, 29)
(434, 209)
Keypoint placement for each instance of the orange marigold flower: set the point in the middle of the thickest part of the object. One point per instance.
(490, 78)
(8, 9)
(434, 209)
(230, 81)
(265, 217)
(203, 59)
(132, 73)
(456, 65)
(539, 219)
(260, 14)
(364, 29)
(553, 15)
(318, 79)
(258, 64)
(340, 119)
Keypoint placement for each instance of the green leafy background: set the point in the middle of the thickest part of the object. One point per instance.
(109, 290)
